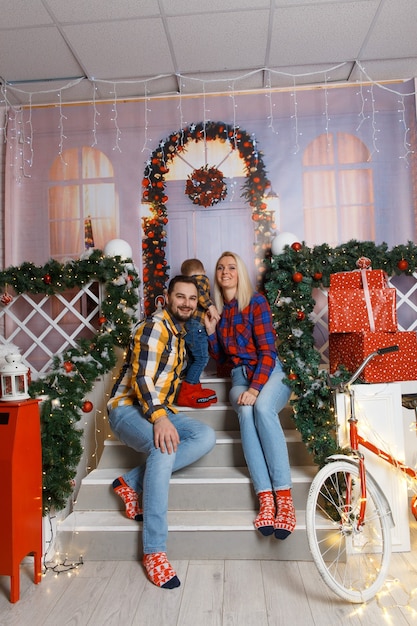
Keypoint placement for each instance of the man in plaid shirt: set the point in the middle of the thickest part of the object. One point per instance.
(142, 415)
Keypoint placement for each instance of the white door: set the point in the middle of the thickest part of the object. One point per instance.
(204, 233)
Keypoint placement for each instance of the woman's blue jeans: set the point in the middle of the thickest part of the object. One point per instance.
(263, 439)
(196, 341)
(152, 478)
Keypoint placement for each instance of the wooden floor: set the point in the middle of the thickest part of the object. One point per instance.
(212, 593)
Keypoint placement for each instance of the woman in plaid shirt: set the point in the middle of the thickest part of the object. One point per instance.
(246, 338)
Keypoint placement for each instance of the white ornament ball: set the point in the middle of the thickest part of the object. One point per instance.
(280, 241)
(118, 247)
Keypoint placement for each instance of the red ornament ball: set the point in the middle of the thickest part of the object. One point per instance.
(47, 279)
(68, 366)
(317, 275)
(102, 320)
(296, 246)
(6, 298)
(87, 407)
(301, 315)
(292, 376)
(402, 265)
(297, 277)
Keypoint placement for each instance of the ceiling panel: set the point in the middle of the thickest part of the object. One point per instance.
(121, 49)
(195, 52)
(156, 47)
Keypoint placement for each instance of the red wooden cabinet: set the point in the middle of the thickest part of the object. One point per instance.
(20, 490)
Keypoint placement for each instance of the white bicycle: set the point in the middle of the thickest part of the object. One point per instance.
(348, 517)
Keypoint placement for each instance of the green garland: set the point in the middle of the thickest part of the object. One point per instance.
(289, 280)
(73, 373)
(155, 268)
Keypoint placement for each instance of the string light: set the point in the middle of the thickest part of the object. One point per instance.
(96, 114)
(147, 110)
(402, 120)
(271, 106)
(62, 137)
(295, 117)
(7, 88)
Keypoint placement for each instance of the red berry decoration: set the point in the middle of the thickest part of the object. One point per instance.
(317, 275)
(102, 320)
(297, 277)
(47, 279)
(301, 315)
(296, 246)
(68, 366)
(87, 407)
(402, 265)
(6, 298)
(292, 376)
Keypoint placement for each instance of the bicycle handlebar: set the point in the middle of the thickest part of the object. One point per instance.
(379, 352)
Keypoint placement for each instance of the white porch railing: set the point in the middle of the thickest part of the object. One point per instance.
(42, 326)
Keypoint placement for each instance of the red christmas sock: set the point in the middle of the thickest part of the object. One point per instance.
(159, 570)
(285, 519)
(265, 520)
(130, 498)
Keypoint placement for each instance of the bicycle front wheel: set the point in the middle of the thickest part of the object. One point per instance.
(352, 560)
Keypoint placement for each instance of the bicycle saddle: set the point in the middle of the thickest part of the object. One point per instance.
(409, 400)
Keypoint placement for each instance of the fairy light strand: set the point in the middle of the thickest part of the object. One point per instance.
(62, 136)
(268, 95)
(96, 114)
(115, 120)
(295, 117)
(147, 110)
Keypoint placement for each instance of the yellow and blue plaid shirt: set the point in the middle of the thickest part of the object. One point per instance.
(204, 300)
(151, 373)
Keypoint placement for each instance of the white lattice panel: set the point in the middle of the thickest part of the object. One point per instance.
(42, 326)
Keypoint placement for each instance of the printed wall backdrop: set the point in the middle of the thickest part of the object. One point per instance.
(341, 160)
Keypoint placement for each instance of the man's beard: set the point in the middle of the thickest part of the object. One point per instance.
(181, 317)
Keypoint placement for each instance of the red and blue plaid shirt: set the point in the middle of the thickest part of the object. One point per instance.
(247, 338)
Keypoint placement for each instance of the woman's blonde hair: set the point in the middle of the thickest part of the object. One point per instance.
(244, 286)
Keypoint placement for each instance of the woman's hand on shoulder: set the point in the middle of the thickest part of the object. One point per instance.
(210, 323)
(213, 313)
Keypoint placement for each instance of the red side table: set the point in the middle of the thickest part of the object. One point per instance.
(20, 490)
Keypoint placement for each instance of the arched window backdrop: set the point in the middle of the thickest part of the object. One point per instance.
(82, 202)
(338, 190)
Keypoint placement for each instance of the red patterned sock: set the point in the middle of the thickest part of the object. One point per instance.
(285, 519)
(265, 520)
(159, 570)
(130, 498)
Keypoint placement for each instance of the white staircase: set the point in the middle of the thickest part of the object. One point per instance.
(211, 505)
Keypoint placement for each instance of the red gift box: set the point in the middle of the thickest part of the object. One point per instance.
(350, 349)
(348, 310)
(377, 279)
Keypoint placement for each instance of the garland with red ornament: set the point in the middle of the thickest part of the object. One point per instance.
(290, 278)
(155, 272)
(64, 388)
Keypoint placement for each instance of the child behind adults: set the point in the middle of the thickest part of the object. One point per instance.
(191, 393)
(246, 336)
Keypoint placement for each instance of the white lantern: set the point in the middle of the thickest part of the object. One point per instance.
(118, 247)
(14, 379)
(280, 241)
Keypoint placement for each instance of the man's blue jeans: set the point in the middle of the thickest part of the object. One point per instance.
(152, 478)
(263, 439)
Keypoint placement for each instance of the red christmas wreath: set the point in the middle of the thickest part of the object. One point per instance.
(206, 186)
